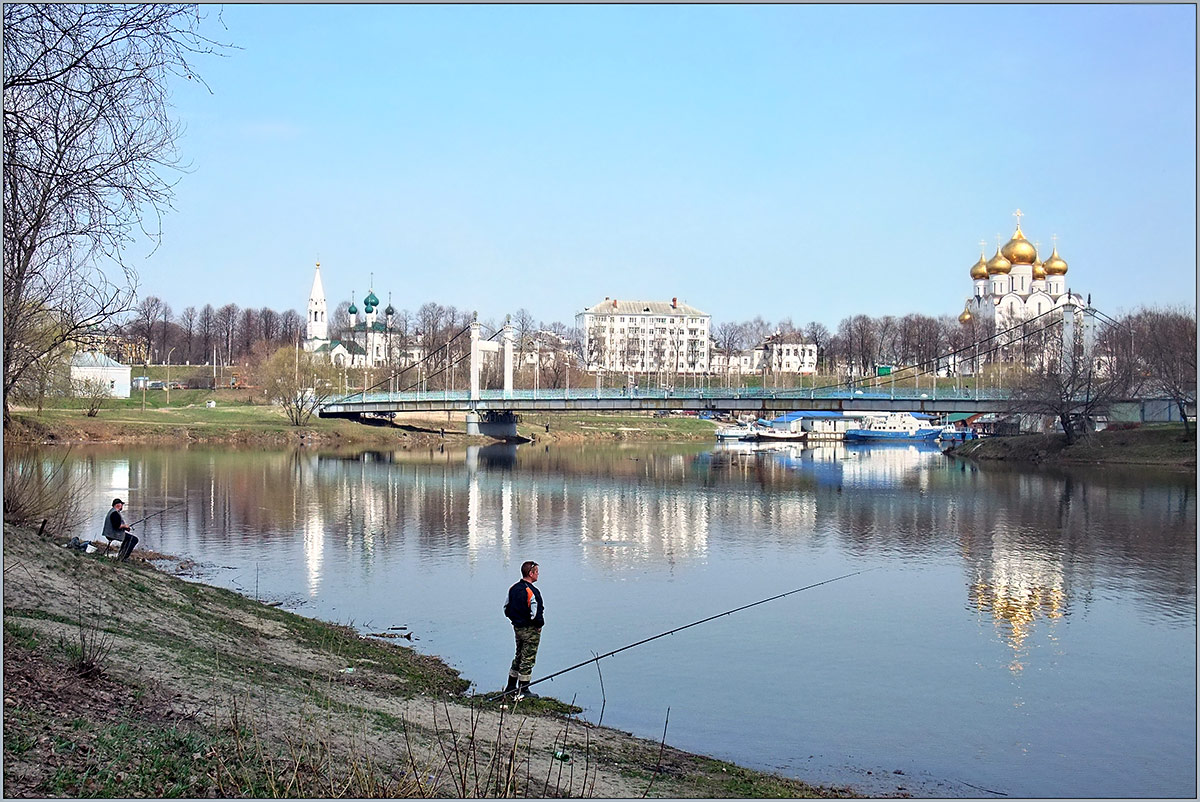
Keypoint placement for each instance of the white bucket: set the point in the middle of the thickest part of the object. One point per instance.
(91, 548)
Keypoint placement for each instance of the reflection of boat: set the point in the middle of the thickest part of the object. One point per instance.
(893, 426)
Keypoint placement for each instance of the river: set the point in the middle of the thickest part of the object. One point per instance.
(1025, 632)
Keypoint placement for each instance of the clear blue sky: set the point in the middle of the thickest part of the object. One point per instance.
(797, 161)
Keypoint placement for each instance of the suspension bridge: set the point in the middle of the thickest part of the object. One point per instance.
(1068, 331)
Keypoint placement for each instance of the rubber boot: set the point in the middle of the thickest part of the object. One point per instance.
(525, 693)
(511, 686)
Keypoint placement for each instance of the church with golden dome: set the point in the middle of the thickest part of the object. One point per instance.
(1016, 285)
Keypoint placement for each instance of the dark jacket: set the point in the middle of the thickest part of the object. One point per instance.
(524, 606)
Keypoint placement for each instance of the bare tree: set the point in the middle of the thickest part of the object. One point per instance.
(206, 330)
(818, 335)
(87, 140)
(859, 339)
(91, 393)
(299, 381)
(291, 326)
(164, 329)
(755, 331)
(225, 324)
(247, 333)
(340, 320)
(187, 328)
(525, 327)
(268, 325)
(1067, 387)
(144, 325)
(1166, 344)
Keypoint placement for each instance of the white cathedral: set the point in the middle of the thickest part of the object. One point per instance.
(369, 342)
(1015, 285)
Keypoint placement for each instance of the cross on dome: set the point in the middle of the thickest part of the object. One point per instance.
(1017, 214)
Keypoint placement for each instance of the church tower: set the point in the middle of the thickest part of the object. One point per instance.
(318, 324)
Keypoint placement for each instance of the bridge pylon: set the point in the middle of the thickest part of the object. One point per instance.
(479, 347)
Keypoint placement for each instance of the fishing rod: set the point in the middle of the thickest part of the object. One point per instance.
(598, 658)
(160, 512)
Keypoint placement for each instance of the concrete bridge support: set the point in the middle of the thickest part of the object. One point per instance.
(479, 347)
(1067, 348)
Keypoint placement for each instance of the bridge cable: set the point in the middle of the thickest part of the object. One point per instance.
(401, 372)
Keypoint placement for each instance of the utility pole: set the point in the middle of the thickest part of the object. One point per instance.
(169, 352)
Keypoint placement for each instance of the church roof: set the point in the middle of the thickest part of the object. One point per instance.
(349, 346)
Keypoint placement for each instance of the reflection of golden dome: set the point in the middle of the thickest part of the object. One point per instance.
(1055, 266)
(979, 269)
(1019, 250)
(1039, 271)
(965, 317)
(998, 265)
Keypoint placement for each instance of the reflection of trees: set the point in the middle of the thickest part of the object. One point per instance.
(1033, 544)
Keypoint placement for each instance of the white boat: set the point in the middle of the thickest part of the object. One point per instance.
(732, 432)
(895, 426)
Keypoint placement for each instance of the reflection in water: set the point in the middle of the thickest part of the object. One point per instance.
(1023, 559)
(1065, 582)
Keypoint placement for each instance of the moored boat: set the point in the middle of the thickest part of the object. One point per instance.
(765, 434)
(733, 432)
(898, 426)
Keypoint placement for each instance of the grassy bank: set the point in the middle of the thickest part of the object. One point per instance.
(122, 679)
(1160, 444)
(234, 420)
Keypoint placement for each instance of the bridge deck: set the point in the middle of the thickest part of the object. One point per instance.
(699, 399)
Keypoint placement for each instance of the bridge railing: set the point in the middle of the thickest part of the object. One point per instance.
(682, 394)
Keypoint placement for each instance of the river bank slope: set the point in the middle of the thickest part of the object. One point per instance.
(123, 679)
(266, 426)
(1161, 444)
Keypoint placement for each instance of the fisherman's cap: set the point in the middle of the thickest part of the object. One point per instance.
(117, 501)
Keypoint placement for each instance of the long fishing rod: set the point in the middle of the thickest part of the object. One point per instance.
(160, 512)
(680, 629)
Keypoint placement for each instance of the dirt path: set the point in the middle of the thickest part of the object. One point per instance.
(202, 692)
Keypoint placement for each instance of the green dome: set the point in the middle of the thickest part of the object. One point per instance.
(391, 310)
(353, 309)
(371, 300)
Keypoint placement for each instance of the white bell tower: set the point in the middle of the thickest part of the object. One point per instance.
(318, 324)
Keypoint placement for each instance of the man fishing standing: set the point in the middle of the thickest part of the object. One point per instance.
(115, 528)
(524, 609)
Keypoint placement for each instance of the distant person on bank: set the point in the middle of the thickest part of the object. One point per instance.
(115, 528)
(524, 609)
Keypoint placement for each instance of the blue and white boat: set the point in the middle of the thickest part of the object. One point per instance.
(895, 426)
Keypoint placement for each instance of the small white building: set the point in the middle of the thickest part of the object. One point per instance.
(94, 366)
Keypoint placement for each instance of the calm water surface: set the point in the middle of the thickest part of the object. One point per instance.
(1020, 632)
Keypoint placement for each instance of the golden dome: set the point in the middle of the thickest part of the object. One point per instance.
(1055, 264)
(1018, 250)
(965, 316)
(1039, 271)
(998, 265)
(979, 269)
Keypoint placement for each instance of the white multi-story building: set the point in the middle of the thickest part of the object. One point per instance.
(645, 337)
